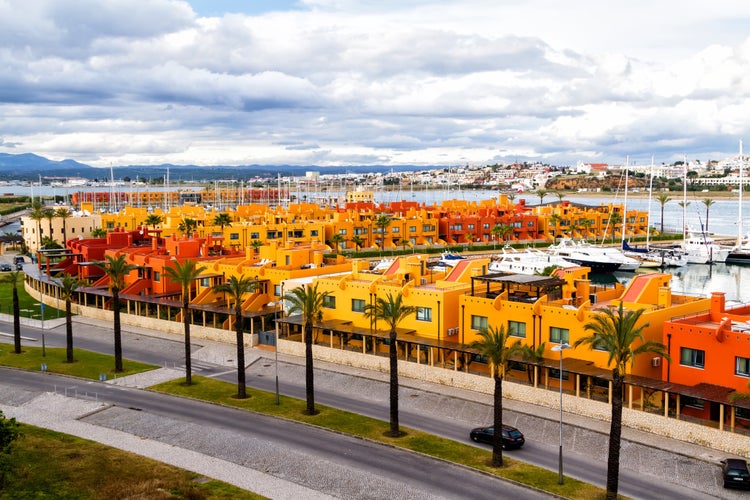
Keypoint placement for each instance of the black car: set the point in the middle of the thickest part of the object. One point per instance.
(736, 473)
(5, 267)
(512, 437)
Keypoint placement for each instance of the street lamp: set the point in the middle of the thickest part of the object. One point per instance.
(560, 348)
(276, 346)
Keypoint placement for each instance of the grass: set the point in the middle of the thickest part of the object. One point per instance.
(28, 305)
(225, 393)
(49, 464)
(88, 365)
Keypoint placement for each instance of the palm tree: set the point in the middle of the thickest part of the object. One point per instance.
(560, 195)
(184, 274)
(615, 333)
(256, 244)
(187, 226)
(586, 226)
(99, 232)
(68, 286)
(554, 221)
(492, 346)
(336, 239)
(357, 240)
(495, 232)
(663, 199)
(236, 288)
(541, 193)
(392, 311)
(708, 202)
(117, 268)
(37, 214)
(64, 214)
(534, 357)
(153, 220)
(13, 277)
(49, 214)
(308, 301)
(383, 221)
(223, 220)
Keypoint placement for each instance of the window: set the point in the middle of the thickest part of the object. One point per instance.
(516, 329)
(205, 282)
(358, 305)
(412, 229)
(157, 276)
(342, 232)
(478, 322)
(470, 227)
(234, 236)
(692, 357)
(692, 402)
(485, 226)
(424, 314)
(329, 301)
(559, 335)
(254, 236)
(742, 367)
(313, 232)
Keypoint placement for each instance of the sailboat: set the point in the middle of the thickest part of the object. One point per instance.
(644, 256)
(740, 253)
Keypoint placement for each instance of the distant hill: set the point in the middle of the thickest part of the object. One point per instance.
(29, 167)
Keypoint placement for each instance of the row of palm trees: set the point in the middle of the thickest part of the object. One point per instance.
(614, 331)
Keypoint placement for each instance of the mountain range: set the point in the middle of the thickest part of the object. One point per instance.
(30, 167)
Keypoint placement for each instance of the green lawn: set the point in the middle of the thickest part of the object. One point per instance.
(225, 393)
(87, 364)
(52, 465)
(29, 306)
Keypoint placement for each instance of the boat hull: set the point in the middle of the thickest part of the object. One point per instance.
(738, 257)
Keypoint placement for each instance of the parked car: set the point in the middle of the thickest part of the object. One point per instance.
(735, 472)
(19, 266)
(18, 259)
(512, 437)
(5, 267)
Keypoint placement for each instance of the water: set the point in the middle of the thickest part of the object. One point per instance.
(702, 279)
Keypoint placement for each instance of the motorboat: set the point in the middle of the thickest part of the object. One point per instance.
(450, 259)
(595, 258)
(528, 261)
(740, 254)
(701, 248)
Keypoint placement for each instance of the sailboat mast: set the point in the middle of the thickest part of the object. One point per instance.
(650, 191)
(684, 195)
(625, 204)
(739, 209)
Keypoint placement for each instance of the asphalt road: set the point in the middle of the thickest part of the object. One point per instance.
(339, 390)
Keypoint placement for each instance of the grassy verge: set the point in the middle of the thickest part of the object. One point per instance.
(53, 465)
(225, 393)
(87, 364)
(28, 305)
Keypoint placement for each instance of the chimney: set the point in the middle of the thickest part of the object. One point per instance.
(718, 301)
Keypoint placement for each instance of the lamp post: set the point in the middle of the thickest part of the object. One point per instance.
(276, 346)
(560, 348)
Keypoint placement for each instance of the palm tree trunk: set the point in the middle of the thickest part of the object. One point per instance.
(16, 322)
(615, 431)
(393, 354)
(118, 333)
(68, 332)
(497, 438)
(309, 378)
(188, 364)
(241, 392)
(662, 219)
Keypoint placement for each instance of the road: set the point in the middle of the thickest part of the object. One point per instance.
(369, 398)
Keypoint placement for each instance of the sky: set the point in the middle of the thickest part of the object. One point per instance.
(374, 82)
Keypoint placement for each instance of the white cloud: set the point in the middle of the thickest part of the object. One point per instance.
(337, 82)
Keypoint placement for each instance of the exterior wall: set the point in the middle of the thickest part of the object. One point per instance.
(76, 226)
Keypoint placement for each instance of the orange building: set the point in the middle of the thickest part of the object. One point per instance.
(711, 352)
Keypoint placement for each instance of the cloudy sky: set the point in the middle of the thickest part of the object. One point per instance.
(387, 82)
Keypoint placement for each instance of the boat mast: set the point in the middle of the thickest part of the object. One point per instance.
(739, 209)
(650, 190)
(625, 205)
(684, 195)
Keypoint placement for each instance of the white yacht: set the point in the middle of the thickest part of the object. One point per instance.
(529, 261)
(596, 258)
(701, 248)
